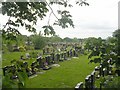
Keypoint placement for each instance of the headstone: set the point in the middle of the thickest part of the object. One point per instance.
(65, 56)
(61, 57)
(48, 59)
(53, 56)
(101, 69)
(79, 86)
(13, 71)
(96, 68)
(71, 53)
(22, 57)
(27, 55)
(46, 67)
(39, 60)
(33, 67)
(93, 79)
(5, 70)
(25, 64)
(43, 51)
(87, 82)
(103, 74)
(42, 62)
(47, 50)
(68, 54)
(110, 69)
(58, 56)
(74, 53)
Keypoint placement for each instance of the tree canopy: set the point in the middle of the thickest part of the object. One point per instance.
(26, 14)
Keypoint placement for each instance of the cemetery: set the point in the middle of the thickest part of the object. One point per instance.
(45, 60)
(49, 64)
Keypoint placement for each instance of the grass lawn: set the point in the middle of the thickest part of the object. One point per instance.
(9, 56)
(66, 76)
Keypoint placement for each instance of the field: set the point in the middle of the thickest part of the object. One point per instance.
(67, 75)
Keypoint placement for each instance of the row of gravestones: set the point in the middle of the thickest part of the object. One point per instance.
(40, 63)
(90, 79)
(62, 47)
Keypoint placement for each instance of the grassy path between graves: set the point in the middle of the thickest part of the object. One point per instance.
(67, 75)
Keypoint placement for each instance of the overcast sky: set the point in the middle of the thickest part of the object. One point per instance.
(99, 19)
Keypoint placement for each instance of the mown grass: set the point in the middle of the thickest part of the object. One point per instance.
(66, 76)
(9, 56)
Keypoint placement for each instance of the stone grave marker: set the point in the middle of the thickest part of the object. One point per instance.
(33, 66)
(79, 86)
(93, 79)
(88, 82)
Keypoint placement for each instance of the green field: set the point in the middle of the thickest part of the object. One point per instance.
(9, 56)
(67, 75)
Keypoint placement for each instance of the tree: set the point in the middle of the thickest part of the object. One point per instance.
(92, 42)
(26, 14)
(21, 39)
(75, 40)
(67, 39)
(55, 38)
(116, 34)
(39, 42)
(107, 49)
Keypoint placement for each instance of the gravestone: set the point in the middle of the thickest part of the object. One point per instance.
(27, 56)
(48, 59)
(25, 64)
(87, 85)
(97, 70)
(13, 71)
(43, 51)
(68, 54)
(5, 70)
(74, 53)
(39, 60)
(101, 69)
(42, 62)
(93, 79)
(61, 57)
(104, 72)
(10, 69)
(46, 67)
(65, 56)
(33, 66)
(110, 69)
(88, 82)
(58, 56)
(53, 57)
(22, 57)
(79, 86)
(47, 50)
(71, 52)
